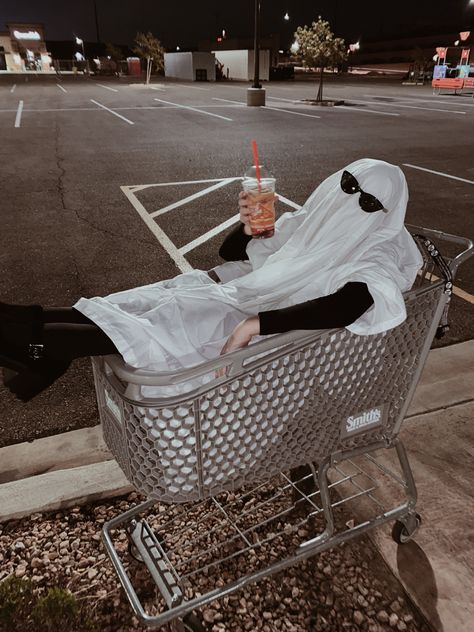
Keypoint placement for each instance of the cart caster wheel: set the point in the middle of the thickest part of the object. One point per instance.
(192, 624)
(133, 552)
(400, 532)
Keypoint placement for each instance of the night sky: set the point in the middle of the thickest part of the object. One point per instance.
(184, 23)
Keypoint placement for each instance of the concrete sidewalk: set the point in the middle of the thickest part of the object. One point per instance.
(436, 569)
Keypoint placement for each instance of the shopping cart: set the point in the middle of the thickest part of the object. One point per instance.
(221, 462)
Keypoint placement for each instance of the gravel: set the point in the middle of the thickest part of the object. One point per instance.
(346, 588)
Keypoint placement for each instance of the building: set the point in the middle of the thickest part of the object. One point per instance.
(239, 64)
(190, 66)
(23, 49)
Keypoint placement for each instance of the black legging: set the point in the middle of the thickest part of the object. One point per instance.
(68, 334)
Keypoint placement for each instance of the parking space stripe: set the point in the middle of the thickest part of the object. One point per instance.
(18, 114)
(140, 187)
(349, 108)
(267, 107)
(194, 196)
(229, 101)
(112, 112)
(187, 107)
(339, 107)
(106, 87)
(210, 234)
(417, 100)
(438, 173)
(160, 235)
(13, 87)
(61, 88)
(402, 105)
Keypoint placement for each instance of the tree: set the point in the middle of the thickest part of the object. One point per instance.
(149, 47)
(116, 55)
(317, 47)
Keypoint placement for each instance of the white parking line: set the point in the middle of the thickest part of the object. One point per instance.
(187, 107)
(417, 100)
(141, 187)
(349, 108)
(267, 107)
(18, 114)
(106, 87)
(13, 87)
(229, 101)
(339, 107)
(439, 173)
(112, 112)
(61, 88)
(192, 197)
(414, 107)
(282, 99)
(157, 88)
(210, 234)
(161, 236)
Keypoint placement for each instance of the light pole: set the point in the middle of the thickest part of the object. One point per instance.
(80, 42)
(256, 94)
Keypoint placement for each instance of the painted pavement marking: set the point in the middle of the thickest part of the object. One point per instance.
(18, 114)
(438, 173)
(13, 88)
(114, 113)
(194, 196)
(188, 107)
(106, 87)
(61, 88)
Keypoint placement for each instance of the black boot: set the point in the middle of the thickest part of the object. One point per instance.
(28, 369)
(20, 313)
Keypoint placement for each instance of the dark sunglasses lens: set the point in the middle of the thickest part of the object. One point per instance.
(369, 203)
(348, 183)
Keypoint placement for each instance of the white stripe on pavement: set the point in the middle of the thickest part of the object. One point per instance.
(282, 99)
(61, 88)
(140, 187)
(267, 107)
(438, 173)
(339, 106)
(192, 197)
(112, 112)
(187, 107)
(106, 87)
(349, 108)
(160, 235)
(210, 234)
(18, 114)
(13, 87)
(418, 100)
(229, 101)
(400, 105)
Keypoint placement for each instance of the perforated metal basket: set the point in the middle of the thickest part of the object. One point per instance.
(291, 399)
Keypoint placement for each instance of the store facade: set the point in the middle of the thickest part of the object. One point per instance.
(23, 49)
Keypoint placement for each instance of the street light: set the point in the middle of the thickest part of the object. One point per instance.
(256, 94)
(80, 42)
(286, 16)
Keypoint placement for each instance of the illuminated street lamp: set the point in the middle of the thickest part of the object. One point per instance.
(80, 42)
(256, 94)
(286, 16)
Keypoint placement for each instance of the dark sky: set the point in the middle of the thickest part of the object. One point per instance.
(184, 23)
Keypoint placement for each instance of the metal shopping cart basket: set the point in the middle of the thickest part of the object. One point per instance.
(249, 472)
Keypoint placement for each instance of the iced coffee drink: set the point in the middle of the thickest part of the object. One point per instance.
(261, 202)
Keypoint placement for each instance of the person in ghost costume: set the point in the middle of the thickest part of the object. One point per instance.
(343, 260)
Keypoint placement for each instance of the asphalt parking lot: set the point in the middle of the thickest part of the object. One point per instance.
(108, 185)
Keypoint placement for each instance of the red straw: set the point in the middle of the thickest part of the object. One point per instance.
(256, 161)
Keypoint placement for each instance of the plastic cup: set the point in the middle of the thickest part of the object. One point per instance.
(261, 201)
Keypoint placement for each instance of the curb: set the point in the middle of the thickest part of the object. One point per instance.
(76, 467)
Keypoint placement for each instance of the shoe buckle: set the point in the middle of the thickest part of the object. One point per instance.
(36, 351)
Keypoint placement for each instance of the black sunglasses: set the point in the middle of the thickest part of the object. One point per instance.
(367, 202)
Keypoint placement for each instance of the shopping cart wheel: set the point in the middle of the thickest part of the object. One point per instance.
(402, 533)
(192, 624)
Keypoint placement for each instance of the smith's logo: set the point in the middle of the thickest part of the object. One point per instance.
(363, 421)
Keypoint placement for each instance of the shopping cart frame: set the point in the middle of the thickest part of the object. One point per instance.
(436, 275)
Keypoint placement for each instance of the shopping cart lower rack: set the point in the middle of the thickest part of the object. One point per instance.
(253, 469)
